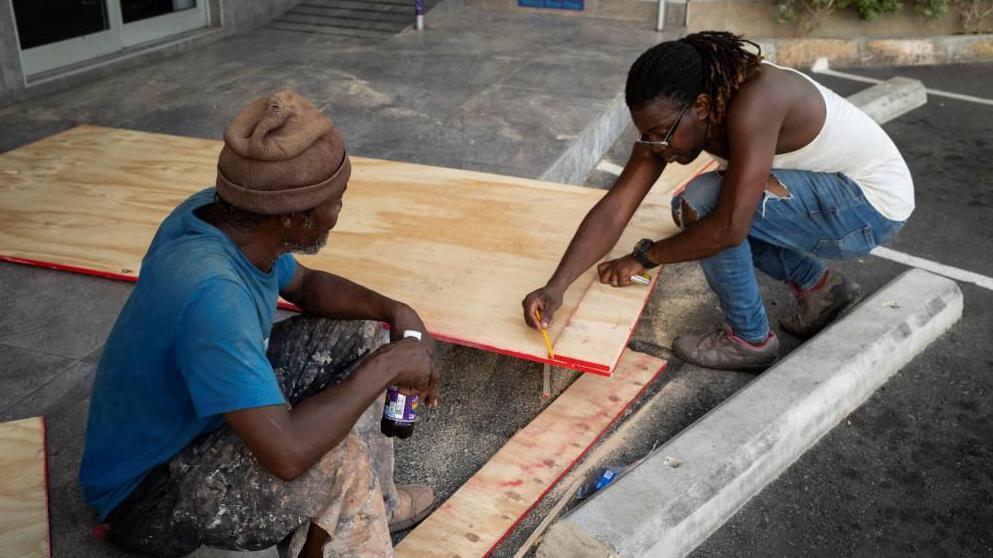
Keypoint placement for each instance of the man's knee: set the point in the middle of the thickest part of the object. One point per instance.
(350, 456)
(682, 213)
(776, 188)
(697, 199)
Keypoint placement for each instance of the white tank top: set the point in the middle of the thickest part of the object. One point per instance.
(852, 143)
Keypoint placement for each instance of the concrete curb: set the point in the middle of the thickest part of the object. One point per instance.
(874, 52)
(689, 487)
(892, 98)
(578, 159)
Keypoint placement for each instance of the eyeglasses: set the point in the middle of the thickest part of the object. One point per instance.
(667, 139)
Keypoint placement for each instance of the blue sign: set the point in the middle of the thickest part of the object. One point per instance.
(552, 4)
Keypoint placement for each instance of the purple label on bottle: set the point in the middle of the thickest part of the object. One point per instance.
(399, 407)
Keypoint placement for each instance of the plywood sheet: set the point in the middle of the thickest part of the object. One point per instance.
(461, 247)
(493, 501)
(23, 489)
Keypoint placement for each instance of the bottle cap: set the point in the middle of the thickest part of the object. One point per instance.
(412, 333)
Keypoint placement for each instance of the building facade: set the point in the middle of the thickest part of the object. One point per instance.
(48, 45)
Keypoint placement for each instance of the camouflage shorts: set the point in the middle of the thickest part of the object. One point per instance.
(215, 493)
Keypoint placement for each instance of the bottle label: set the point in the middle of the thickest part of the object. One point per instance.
(399, 407)
(605, 479)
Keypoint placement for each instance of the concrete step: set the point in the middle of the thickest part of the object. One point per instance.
(344, 22)
(365, 5)
(349, 18)
(329, 30)
(349, 13)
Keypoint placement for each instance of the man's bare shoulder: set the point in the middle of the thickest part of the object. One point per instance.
(768, 86)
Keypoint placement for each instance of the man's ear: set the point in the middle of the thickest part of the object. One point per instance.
(286, 221)
(701, 106)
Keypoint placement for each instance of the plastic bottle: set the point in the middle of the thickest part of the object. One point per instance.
(400, 411)
(597, 479)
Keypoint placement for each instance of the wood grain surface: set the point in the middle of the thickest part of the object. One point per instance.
(23, 489)
(461, 247)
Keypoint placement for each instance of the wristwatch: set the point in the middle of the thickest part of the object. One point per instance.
(640, 253)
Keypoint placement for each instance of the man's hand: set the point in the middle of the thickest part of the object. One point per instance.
(412, 369)
(403, 318)
(287, 442)
(618, 272)
(545, 300)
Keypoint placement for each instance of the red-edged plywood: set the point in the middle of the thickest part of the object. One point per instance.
(461, 247)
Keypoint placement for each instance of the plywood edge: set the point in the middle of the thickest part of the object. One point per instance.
(130, 278)
(559, 361)
(584, 320)
(498, 497)
(47, 488)
(77, 129)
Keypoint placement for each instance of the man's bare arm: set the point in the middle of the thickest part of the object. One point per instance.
(332, 296)
(598, 232)
(287, 442)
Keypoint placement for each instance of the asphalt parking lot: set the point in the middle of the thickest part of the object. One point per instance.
(909, 472)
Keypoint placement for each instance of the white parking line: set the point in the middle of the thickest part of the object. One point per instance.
(821, 67)
(607, 166)
(934, 267)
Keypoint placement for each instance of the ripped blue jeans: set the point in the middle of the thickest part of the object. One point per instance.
(822, 215)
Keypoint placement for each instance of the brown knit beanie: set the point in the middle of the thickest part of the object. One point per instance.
(281, 155)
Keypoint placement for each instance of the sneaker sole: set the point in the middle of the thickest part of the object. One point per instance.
(753, 367)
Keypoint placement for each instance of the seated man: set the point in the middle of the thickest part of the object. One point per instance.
(806, 175)
(195, 436)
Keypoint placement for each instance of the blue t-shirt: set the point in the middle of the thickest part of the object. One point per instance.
(189, 346)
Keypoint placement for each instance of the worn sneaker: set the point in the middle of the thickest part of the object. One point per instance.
(723, 350)
(817, 308)
(413, 505)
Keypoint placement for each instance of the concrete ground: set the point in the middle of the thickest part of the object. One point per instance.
(511, 104)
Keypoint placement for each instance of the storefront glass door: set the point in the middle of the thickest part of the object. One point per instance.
(57, 33)
(150, 20)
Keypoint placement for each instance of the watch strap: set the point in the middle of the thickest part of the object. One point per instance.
(640, 254)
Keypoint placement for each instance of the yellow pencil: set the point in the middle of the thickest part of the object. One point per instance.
(642, 279)
(544, 333)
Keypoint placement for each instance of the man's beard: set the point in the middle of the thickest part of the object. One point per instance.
(308, 249)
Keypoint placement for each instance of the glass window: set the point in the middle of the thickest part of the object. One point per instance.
(137, 10)
(42, 22)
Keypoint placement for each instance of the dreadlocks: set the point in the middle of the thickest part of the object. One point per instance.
(711, 62)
